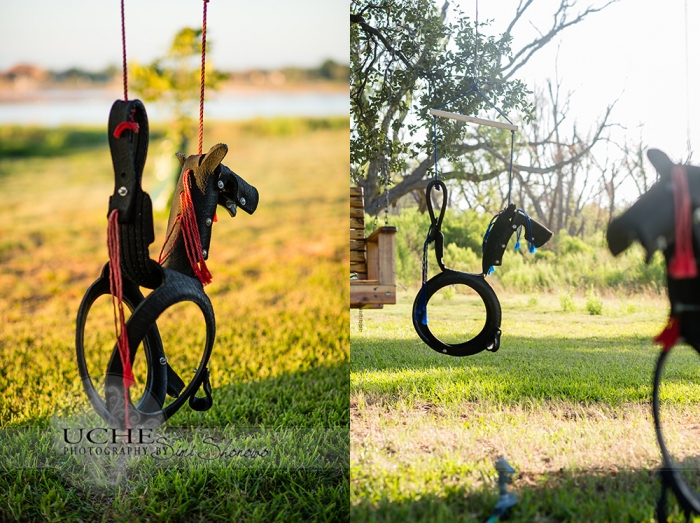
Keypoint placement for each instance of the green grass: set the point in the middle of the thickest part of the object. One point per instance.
(566, 400)
(279, 367)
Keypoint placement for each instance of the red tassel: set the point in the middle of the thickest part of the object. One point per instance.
(670, 335)
(190, 234)
(683, 265)
(131, 125)
(115, 287)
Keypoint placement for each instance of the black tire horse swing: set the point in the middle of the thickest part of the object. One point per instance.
(179, 275)
(507, 222)
(667, 218)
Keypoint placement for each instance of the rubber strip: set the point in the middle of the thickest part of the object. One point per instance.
(490, 336)
(688, 499)
(175, 288)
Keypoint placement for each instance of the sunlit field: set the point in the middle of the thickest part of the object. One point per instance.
(566, 400)
(280, 362)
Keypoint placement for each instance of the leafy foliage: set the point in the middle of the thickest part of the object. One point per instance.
(406, 58)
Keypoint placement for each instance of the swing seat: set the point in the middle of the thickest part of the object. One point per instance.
(371, 260)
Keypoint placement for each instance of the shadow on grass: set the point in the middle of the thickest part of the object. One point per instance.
(307, 479)
(314, 397)
(584, 496)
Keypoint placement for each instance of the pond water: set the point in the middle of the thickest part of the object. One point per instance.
(91, 106)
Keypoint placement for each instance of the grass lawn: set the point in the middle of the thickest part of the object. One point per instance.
(279, 368)
(566, 400)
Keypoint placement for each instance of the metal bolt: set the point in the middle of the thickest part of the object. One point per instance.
(497, 262)
(242, 200)
(205, 253)
(231, 205)
(444, 350)
(503, 246)
(220, 184)
(123, 191)
(515, 226)
(208, 222)
(163, 360)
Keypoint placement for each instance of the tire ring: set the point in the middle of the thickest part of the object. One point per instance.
(684, 494)
(490, 333)
(176, 288)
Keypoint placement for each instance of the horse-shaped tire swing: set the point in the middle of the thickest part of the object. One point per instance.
(178, 277)
(667, 218)
(503, 226)
(507, 222)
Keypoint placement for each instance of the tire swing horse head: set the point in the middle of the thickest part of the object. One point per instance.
(667, 218)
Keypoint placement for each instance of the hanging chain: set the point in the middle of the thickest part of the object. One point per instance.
(359, 319)
(385, 176)
(124, 69)
(386, 207)
(201, 83)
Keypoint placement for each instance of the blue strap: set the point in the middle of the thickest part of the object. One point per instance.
(530, 239)
(422, 307)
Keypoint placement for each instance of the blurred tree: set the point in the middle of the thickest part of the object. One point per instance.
(407, 56)
(174, 81)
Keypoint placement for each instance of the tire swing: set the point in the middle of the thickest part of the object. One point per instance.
(663, 218)
(490, 336)
(179, 275)
(503, 225)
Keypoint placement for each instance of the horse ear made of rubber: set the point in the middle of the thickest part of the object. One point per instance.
(507, 222)
(178, 277)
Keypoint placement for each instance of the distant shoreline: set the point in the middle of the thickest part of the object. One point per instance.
(9, 95)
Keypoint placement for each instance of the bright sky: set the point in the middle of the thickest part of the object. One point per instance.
(634, 50)
(245, 34)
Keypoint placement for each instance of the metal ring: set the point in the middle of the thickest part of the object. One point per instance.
(488, 338)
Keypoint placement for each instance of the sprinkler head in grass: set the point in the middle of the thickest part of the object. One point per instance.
(506, 500)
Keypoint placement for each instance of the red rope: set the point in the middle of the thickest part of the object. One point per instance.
(683, 264)
(161, 256)
(190, 234)
(115, 288)
(201, 82)
(124, 73)
(131, 125)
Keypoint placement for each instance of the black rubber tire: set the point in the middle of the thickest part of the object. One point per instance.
(687, 498)
(488, 338)
(142, 326)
